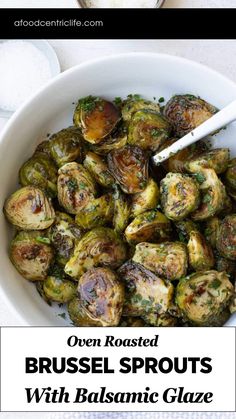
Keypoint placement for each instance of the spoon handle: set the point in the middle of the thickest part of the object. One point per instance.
(217, 121)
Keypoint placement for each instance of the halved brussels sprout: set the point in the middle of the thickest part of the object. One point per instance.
(31, 255)
(145, 200)
(216, 159)
(41, 172)
(169, 260)
(97, 118)
(145, 292)
(226, 265)
(199, 252)
(98, 168)
(179, 195)
(226, 238)
(132, 322)
(186, 112)
(212, 230)
(63, 235)
(121, 210)
(29, 209)
(96, 213)
(76, 187)
(110, 144)
(203, 296)
(230, 175)
(136, 103)
(149, 226)
(99, 247)
(66, 146)
(184, 229)
(148, 130)
(100, 299)
(163, 320)
(58, 287)
(213, 196)
(129, 166)
(176, 163)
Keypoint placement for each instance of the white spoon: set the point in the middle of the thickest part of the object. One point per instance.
(217, 121)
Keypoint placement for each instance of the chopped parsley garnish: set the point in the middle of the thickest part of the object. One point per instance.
(216, 283)
(72, 185)
(161, 100)
(88, 103)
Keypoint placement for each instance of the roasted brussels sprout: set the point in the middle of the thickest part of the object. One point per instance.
(145, 292)
(186, 112)
(99, 247)
(199, 252)
(41, 172)
(96, 117)
(216, 159)
(149, 226)
(179, 196)
(203, 296)
(184, 228)
(129, 166)
(121, 210)
(132, 322)
(162, 320)
(169, 260)
(148, 130)
(213, 196)
(176, 163)
(230, 175)
(226, 237)
(66, 146)
(58, 287)
(75, 187)
(110, 144)
(98, 168)
(29, 209)
(100, 299)
(63, 235)
(136, 103)
(212, 230)
(31, 255)
(98, 212)
(145, 200)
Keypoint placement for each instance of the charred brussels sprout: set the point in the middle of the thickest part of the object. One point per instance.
(110, 144)
(145, 200)
(226, 237)
(66, 146)
(96, 213)
(75, 187)
(184, 228)
(29, 209)
(148, 130)
(58, 287)
(100, 299)
(200, 253)
(145, 292)
(212, 230)
(186, 112)
(31, 255)
(98, 168)
(136, 103)
(121, 210)
(230, 175)
(179, 196)
(41, 172)
(169, 260)
(99, 247)
(129, 166)
(149, 226)
(96, 117)
(213, 196)
(216, 159)
(63, 234)
(203, 296)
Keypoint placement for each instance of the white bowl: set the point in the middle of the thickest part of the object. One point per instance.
(152, 75)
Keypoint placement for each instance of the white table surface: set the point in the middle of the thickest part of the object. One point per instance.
(220, 55)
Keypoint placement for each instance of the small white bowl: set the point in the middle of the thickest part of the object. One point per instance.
(51, 56)
(51, 109)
